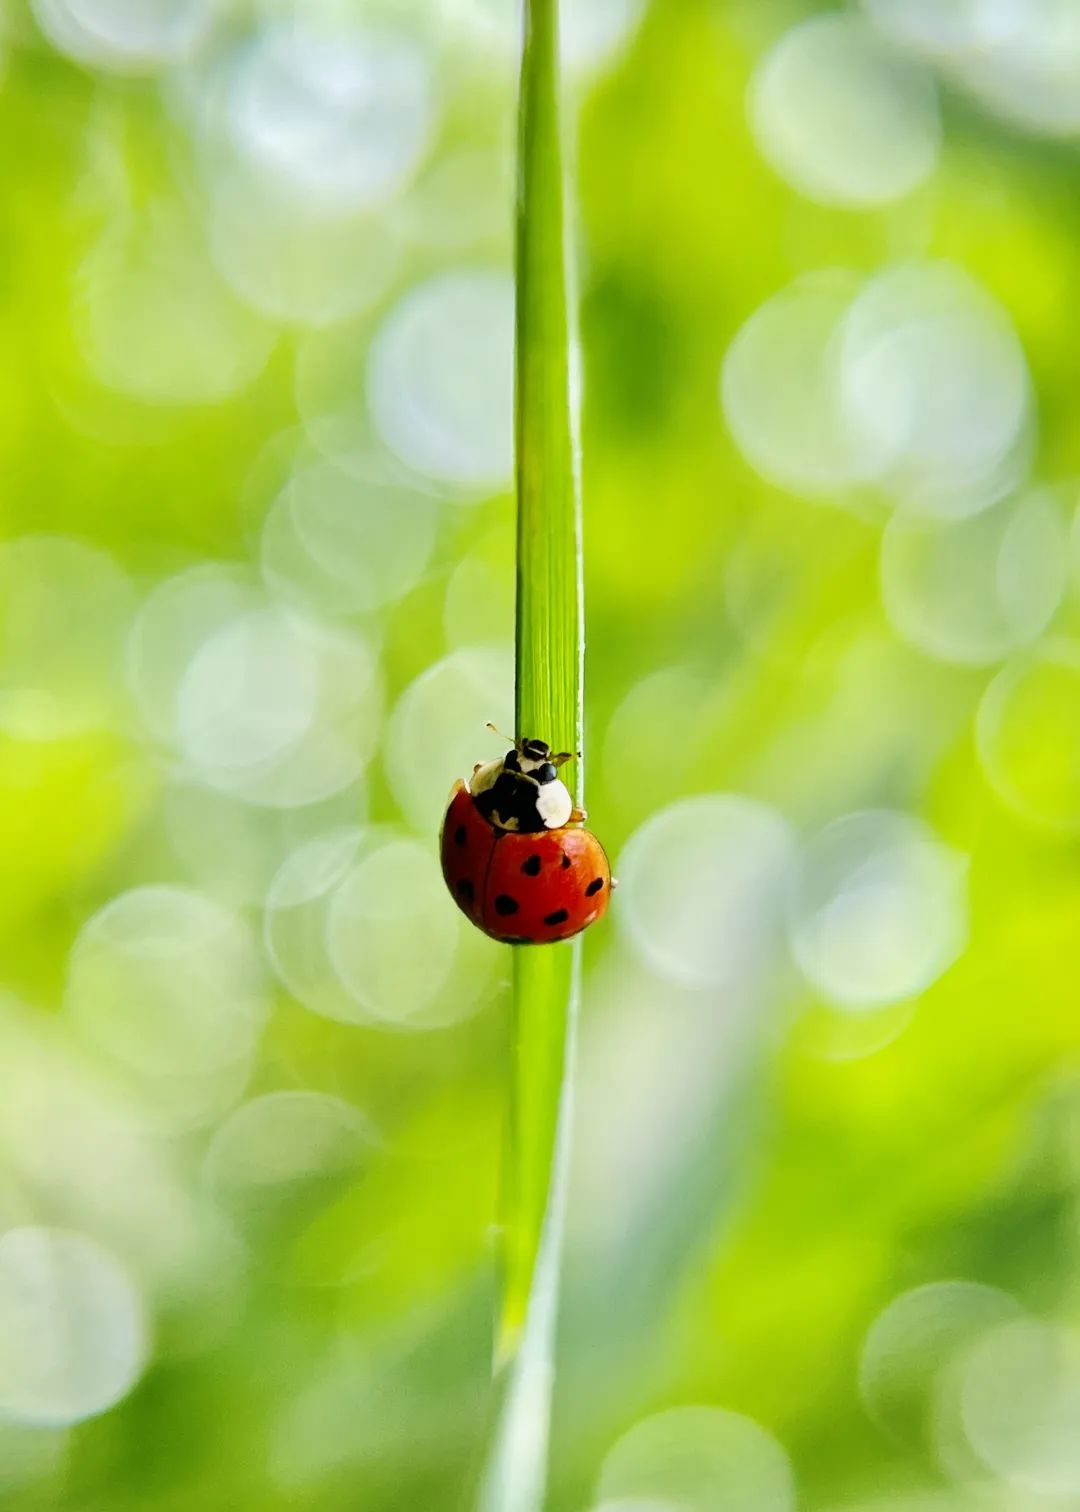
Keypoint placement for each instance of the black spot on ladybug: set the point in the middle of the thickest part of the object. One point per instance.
(531, 867)
(459, 835)
(560, 916)
(594, 886)
(505, 904)
(466, 890)
(565, 861)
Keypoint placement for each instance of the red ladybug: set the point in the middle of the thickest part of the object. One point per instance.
(514, 854)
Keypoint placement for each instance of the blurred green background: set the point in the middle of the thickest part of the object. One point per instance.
(255, 608)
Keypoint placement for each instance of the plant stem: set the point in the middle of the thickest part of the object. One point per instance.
(550, 639)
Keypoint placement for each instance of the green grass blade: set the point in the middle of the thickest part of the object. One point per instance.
(549, 600)
(515, 1474)
(549, 706)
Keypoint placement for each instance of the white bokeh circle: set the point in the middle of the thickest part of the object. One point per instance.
(390, 936)
(345, 545)
(1020, 1405)
(699, 1459)
(294, 267)
(701, 888)
(255, 697)
(972, 590)
(282, 1138)
(73, 1338)
(167, 981)
(843, 117)
(294, 923)
(127, 36)
(248, 695)
(911, 1342)
(437, 729)
(440, 378)
(175, 619)
(934, 381)
(781, 391)
(359, 927)
(939, 28)
(1020, 58)
(877, 910)
(334, 114)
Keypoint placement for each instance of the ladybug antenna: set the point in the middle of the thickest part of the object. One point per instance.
(496, 731)
(564, 756)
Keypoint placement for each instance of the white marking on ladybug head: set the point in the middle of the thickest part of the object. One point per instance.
(554, 804)
(485, 777)
(535, 758)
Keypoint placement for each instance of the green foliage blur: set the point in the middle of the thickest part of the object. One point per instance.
(256, 603)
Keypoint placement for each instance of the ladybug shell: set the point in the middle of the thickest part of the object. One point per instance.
(523, 889)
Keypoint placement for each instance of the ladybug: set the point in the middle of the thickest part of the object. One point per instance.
(515, 854)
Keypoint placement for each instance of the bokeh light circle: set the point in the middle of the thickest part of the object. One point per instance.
(440, 378)
(72, 1331)
(391, 938)
(1030, 72)
(436, 731)
(701, 887)
(780, 389)
(699, 1459)
(878, 909)
(1020, 1406)
(248, 695)
(167, 981)
(299, 268)
(1020, 58)
(939, 28)
(1028, 734)
(126, 36)
(934, 381)
(345, 545)
(973, 590)
(842, 117)
(294, 926)
(175, 619)
(913, 1339)
(256, 698)
(282, 1138)
(593, 32)
(334, 114)
(359, 928)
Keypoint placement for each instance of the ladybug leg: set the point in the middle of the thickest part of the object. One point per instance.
(578, 816)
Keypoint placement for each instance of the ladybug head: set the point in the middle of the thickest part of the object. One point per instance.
(535, 759)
